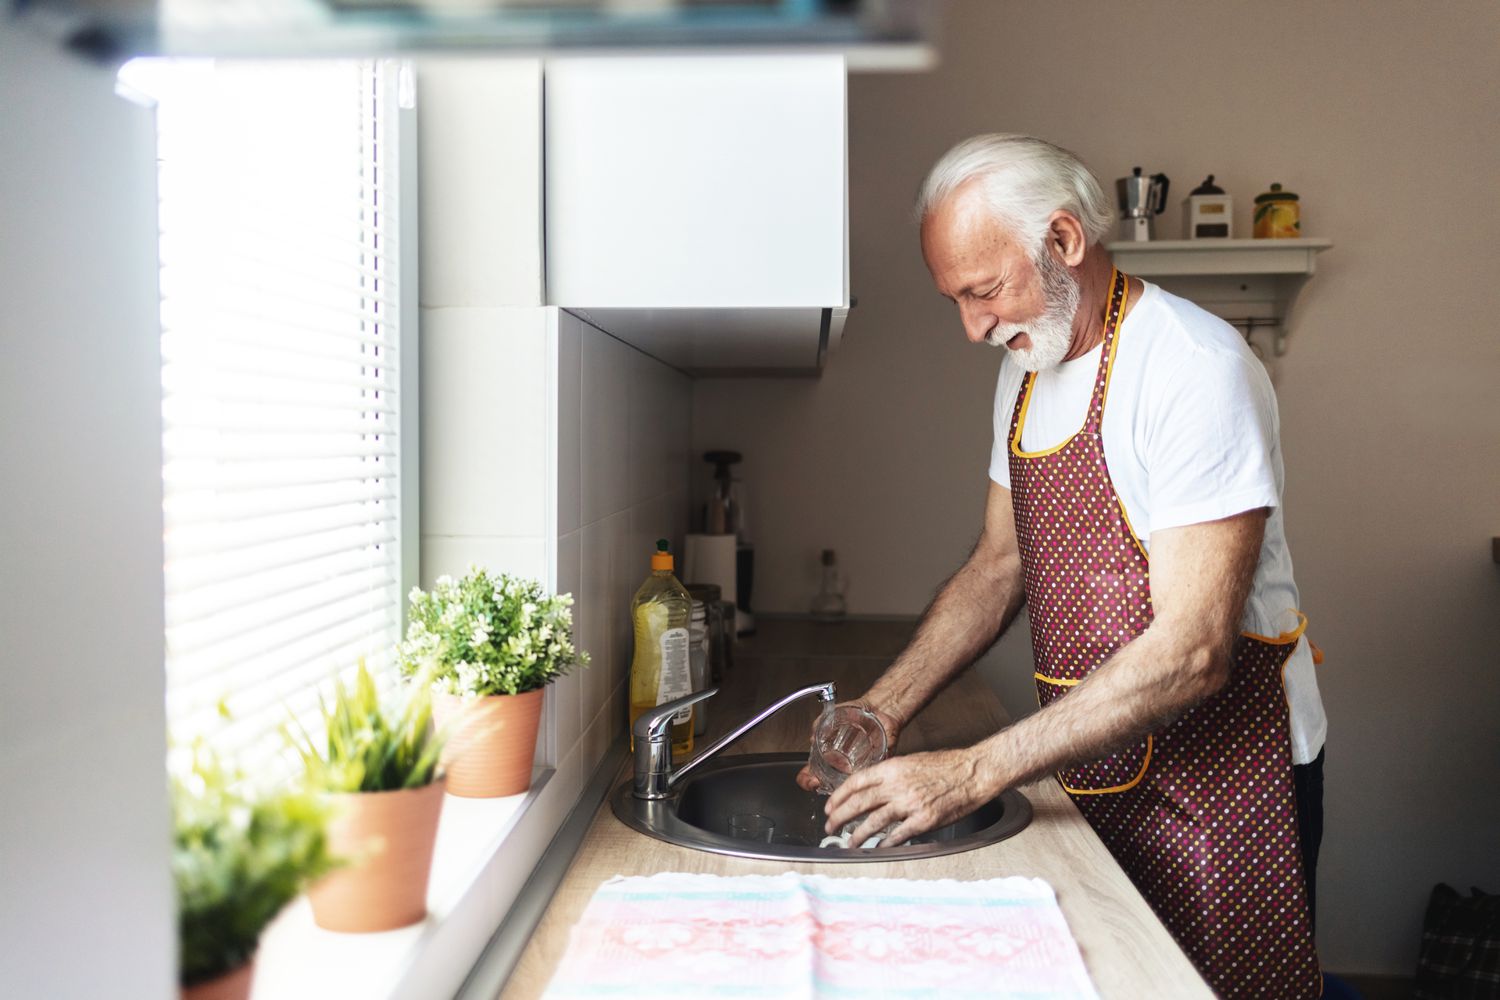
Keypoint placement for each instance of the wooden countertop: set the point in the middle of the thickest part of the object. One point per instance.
(1128, 952)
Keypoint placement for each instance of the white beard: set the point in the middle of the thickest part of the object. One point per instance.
(1051, 333)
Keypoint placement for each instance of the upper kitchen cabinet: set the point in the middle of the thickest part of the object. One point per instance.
(697, 207)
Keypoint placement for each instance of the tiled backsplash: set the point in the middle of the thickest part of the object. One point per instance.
(624, 438)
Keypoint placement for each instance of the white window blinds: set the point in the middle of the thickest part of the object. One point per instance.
(280, 378)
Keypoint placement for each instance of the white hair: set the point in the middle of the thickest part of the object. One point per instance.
(1025, 180)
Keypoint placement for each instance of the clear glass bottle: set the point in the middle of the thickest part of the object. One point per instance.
(829, 604)
(708, 594)
(660, 669)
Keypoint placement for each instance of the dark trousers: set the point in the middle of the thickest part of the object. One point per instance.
(1308, 781)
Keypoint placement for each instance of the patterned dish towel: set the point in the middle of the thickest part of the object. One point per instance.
(796, 936)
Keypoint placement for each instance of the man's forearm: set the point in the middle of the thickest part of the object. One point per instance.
(971, 611)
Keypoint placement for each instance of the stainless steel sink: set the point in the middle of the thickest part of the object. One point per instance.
(698, 815)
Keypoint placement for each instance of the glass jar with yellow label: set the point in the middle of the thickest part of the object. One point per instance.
(1277, 215)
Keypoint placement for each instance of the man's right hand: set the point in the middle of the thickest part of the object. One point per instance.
(805, 778)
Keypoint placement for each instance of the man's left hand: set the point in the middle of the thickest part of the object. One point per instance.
(915, 793)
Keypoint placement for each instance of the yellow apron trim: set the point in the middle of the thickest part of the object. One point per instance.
(1015, 441)
(1285, 638)
(1145, 764)
(1055, 681)
(1109, 372)
(1114, 347)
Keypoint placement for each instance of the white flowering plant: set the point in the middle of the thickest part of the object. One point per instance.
(484, 635)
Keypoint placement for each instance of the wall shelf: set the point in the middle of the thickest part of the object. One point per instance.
(1163, 258)
(1251, 284)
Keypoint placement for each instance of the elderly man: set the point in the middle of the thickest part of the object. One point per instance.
(1135, 508)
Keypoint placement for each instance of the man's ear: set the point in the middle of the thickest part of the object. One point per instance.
(1066, 238)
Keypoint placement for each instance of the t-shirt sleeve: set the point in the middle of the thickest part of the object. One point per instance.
(1005, 402)
(1211, 450)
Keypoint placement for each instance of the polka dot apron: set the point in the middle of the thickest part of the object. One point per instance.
(1201, 814)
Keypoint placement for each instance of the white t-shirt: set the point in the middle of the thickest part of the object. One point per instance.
(1191, 434)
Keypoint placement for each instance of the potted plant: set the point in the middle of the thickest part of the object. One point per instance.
(237, 859)
(378, 762)
(491, 645)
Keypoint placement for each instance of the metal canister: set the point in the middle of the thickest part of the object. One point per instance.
(698, 643)
(1278, 216)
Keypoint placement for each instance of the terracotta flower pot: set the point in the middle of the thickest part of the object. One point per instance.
(491, 742)
(389, 838)
(232, 985)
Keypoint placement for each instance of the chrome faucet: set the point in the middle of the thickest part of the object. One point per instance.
(654, 777)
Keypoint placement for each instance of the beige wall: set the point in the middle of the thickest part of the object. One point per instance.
(1384, 117)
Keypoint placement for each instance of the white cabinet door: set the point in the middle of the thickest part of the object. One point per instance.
(696, 182)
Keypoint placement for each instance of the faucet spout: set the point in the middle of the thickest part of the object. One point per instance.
(654, 778)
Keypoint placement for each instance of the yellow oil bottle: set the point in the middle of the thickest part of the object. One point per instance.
(659, 670)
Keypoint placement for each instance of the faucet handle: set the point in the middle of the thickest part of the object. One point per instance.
(652, 724)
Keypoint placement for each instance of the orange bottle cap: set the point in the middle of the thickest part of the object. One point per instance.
(661, 559)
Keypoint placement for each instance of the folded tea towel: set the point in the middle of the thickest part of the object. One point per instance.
(812, 936)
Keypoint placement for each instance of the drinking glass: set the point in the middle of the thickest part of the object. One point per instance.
(751, 826)
(846, 739)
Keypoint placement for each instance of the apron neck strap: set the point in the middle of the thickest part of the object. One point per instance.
(1114, 310)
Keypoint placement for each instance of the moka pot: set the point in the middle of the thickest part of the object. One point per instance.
(1142, 199)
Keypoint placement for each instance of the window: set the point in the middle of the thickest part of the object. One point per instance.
(285, 498)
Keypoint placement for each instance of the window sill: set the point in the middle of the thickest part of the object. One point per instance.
(471, 888)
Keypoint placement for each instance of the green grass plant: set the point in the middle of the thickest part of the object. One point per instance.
(238, 857)
(370, 745)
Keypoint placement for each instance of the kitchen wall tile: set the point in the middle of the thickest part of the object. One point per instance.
(483, 416)
(570, 776)
(604, 452)
(570, 332)
(595, 739)
(630, 565)
(567, 692)
(592, 618)
(618, 713)
(631, 489)
(681, 514)
(660, 430)
(453, 554)
(641, 390)
(657, 518)
(681, 462)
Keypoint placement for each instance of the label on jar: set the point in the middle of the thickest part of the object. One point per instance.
(676, 679)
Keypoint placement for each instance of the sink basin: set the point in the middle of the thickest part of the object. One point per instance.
(698, 816)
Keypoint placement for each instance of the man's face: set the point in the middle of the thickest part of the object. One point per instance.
(1002, 297)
